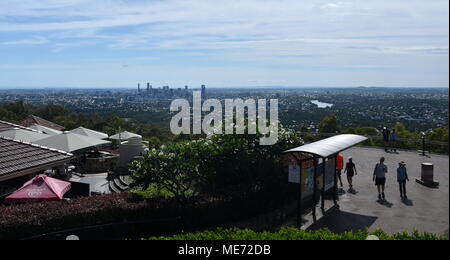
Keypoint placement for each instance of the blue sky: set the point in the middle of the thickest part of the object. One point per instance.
(220, 43)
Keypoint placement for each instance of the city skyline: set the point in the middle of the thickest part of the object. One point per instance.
(116, 44)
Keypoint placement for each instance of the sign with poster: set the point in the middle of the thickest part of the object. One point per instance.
(330, 170)
(308, 172)
(294, 173)
(329, 174)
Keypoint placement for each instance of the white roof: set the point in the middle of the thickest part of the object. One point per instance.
(124, 136)
(330, 146)
(89, 133)
(23, 135)
(70, 142)
(45, 130)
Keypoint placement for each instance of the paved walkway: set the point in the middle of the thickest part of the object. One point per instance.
(426, 209)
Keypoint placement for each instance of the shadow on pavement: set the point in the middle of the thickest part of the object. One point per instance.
(352, 191)
(385, 203)
(339, 221)
(408, 202)
(341, 191)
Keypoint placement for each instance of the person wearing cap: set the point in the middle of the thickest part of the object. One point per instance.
(402, 177)
(350, 169)
(379, 177)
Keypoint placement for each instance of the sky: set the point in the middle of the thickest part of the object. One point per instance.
(223, 43)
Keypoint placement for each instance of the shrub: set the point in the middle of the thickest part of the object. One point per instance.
(24, 220)
(220, 166)
(297, 234)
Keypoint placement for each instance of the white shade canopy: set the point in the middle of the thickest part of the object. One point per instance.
(23, 135)
(89, 133)
(124, 136)
(70, 142)
(330, 146)
(45, 130)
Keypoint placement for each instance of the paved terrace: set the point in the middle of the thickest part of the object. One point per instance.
(426, 209)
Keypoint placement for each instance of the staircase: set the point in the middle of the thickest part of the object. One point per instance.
(119, 184)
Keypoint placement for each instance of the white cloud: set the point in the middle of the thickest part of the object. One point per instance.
(34, 41)
(280, 33)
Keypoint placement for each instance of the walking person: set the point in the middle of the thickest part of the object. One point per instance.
(386, 134)
(402, 177)
(350, 169)
(379, 176)
(339, 167)
(393, 141)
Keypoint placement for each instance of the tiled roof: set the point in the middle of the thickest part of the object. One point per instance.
(5, 126)
(31, 120)
(17, 156)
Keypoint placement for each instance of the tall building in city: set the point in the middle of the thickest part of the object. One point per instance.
(203, 93)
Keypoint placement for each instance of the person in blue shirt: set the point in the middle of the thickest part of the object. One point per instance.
(402, 177)
(393, 141)
(379, 177)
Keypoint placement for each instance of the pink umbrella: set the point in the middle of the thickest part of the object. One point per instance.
(40, 188)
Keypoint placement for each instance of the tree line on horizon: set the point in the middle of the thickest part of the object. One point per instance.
(157, 135)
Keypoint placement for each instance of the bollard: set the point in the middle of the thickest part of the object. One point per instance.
(427, 175)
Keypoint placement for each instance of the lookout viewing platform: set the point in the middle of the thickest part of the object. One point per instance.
(426, 209)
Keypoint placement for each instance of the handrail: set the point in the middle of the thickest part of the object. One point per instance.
(377, 137)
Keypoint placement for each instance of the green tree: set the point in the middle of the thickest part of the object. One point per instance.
(219, 166)
(6, 115)
(329, 124)
(50, 112)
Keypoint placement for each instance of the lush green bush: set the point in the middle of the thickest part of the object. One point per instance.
(19, 221)
(297, 234)
(219, 166)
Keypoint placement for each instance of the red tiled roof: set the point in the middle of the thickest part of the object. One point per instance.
(5, 126)
(16, 156)
(31, 120)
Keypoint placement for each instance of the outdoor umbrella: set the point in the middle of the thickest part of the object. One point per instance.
(23, 135)
(45, 130)
(70, 142)
(124, 136)
(40, 188)
(89, 133)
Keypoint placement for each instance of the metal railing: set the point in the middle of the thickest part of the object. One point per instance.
(422, 145)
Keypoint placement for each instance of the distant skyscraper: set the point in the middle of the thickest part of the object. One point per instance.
(203, 93)
(139, 87)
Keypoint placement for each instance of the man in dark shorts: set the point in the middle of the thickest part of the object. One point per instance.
(379, 177)
(350, 169)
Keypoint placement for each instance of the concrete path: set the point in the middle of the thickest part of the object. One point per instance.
(426, 209)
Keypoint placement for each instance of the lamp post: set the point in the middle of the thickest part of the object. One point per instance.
(423, 143)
